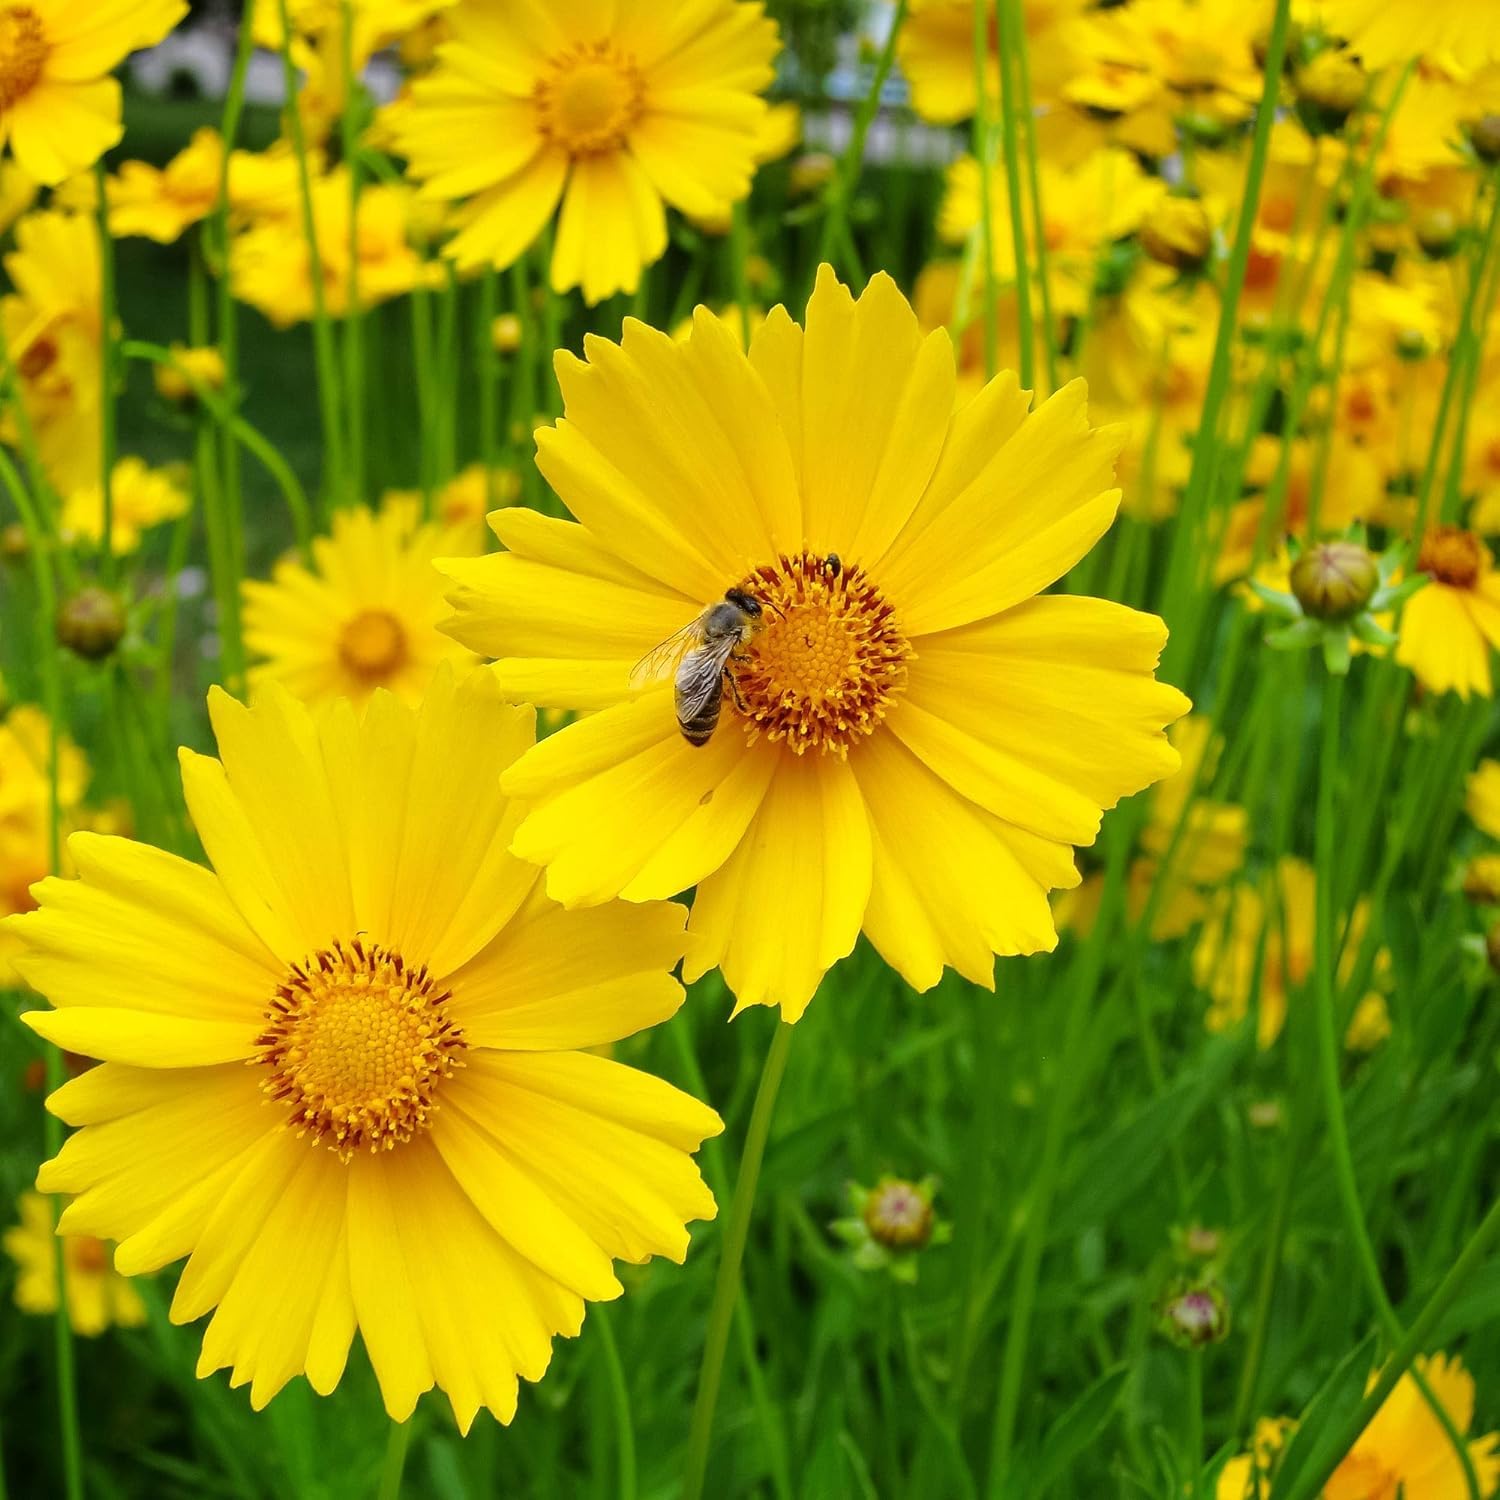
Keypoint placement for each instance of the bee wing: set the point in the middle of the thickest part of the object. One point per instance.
(661, 661)
(700, 678)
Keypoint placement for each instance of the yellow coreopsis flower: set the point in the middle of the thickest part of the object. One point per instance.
(161, 202)
(1390, 31)
(1279, 911)
(59, 109)
(271, 269)
(142, 498)
(98, 1296)
(1450, 626)
(341, 1069)
(363, 616)
(1404, 1451)
(1484, 797)
(1086, 206)
(614, 111)
(936, 53)
(53, 324)
(910, 742)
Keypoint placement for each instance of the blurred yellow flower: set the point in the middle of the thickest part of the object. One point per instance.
(532, 104)
(143, 497)
(458, 507)
(1391, 31)
(205, 365)
(1403, 1452)
(936, 53)
(1451, 626)
(1484, 797)
(364, 616)
(271, 269)
(913, 741)
(1277, 911)
(59, 109)
(350, 1050)
(98, 1296)
(52, 325)
(18, 190)
(1086, 206)
(161, 202)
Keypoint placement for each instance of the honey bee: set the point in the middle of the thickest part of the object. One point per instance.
(698, 658)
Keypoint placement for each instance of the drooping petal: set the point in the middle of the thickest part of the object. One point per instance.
(787, 904)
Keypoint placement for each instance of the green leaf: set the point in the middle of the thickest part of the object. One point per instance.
(1077, 1428)
(1335, 1402)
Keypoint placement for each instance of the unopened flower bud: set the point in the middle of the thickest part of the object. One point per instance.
(1177, 233)
(1436, 230)
(1204, 1243)
(1484, 136)
(14, 543)
(1265, 1114)
(174, 382)
(91, 623)
(1482, 880)
(1329, 89)
(505, 332)
(810, 173)
(898, 1214)
(1492, 947)
(1193, 1313)
(1334, 580)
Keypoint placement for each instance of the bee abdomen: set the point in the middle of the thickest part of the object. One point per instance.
(699, 729)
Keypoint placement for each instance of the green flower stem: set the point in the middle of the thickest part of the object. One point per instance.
(1464, 352)
(739, 255)
(421, 350)
(354, 359)
(234, 108)
(224, 564)
(488, 360)
(1083, 985)
(108, 373)
(335, 472)
(398, 1440)
(1012, 39)
(275, 465)
(1472, 332)
(1208, 449)
(731, 1263)
(40, 551)
(841, 187)
(1311, 1481)
(626, 1486)
(984, 152)
(1325, 961)
(1034, 190)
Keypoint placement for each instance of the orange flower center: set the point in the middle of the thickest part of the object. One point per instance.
(590, 99)
(88, 1254)
(23, 50)
(1453, 556)
(828, 660)
(356, 1044)
(373, 645)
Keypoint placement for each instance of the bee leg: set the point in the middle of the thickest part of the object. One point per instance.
(734, 690)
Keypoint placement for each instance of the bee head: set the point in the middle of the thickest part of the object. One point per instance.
(746, 602)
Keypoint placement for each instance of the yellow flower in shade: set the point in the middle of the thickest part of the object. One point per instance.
(1450, 626)
(912, 741)
(459, 507)
(1389, 31)
(341, 1069)
(59, 109)
(1370, 1024)
(616, 115)
(1278, 909)
(161, 202)
(52, 324)
(1403, 1452)
(1085, 206)
(363, 616)
(98, 1296)
(270, 268)
(142, 498)
(1484, 797)
(936, 53)
(18, 192)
